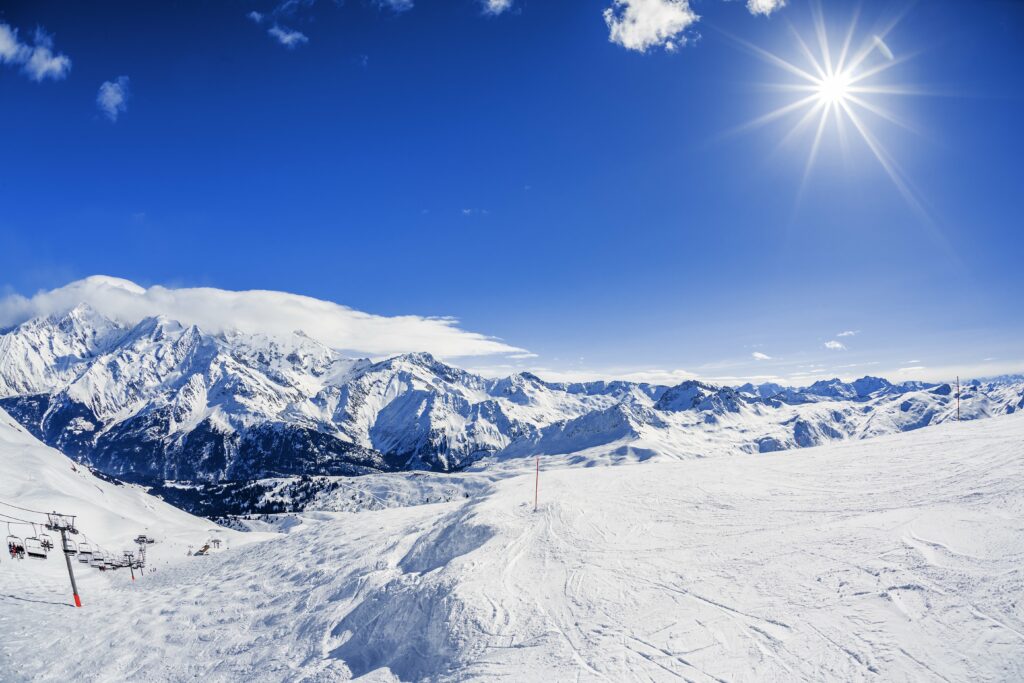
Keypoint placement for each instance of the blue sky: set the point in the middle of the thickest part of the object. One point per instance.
(569, 182)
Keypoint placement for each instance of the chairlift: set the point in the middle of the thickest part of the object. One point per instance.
(46, 541)
(70, 547)
(34, 548)
(84, 552)
(16, 547)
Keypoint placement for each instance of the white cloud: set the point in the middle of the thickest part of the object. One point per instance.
(255, 16)
(642, 24)
(11, 49)
(496, 7)
(765, 7)
(274, 313)
(112, 98)
(44, 64)
(287, 37)
(913, 361)
(835, 345)
(848, 333)
(757, 355)
(37, 61)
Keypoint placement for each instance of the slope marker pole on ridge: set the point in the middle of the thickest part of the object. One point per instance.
(536, 485)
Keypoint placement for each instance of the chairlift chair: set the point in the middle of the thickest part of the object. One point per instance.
(16, 547)
(70, 547)
(34, 548)
(46, 541)
(84, 552)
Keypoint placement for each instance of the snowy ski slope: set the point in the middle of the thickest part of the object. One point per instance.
(897, 558)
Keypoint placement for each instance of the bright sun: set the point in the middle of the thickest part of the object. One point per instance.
(838, 87)
(833, 89)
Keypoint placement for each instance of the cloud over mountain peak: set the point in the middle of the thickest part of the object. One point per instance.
(218, 310)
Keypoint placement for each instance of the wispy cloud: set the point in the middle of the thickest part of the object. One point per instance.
(644, 24)
(396, 5)
(112, 98)
(835, 345)
(275, 313)
(37, 61)
(757, 355)
(287, 37)
(290, 7)
(255, 16)
(667, 377)
(848, 333)
(496, 7)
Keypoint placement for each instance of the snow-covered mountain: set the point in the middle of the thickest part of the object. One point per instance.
(162, 400)
(159, 401)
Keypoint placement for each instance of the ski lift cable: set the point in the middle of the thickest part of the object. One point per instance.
(17, 507)
(17, 520)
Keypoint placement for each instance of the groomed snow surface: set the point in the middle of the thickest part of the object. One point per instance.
(896, 558)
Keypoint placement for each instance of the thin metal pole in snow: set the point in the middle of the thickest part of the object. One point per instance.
(71, 572)
(536, 485)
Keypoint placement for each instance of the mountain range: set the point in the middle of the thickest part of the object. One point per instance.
(159, 400)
